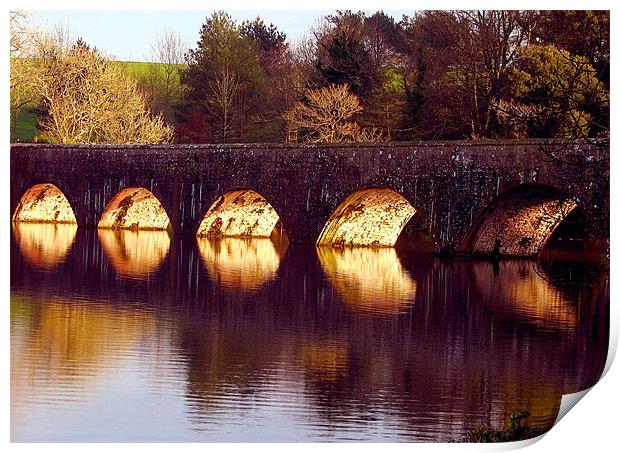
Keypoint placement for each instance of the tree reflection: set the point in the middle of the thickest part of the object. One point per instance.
(326, 360)
(474, 349)
(69, 345)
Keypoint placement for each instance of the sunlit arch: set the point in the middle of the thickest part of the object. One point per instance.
(368, 217)
(135, 208)
(239, 213)
(519, 222)
(44, 203)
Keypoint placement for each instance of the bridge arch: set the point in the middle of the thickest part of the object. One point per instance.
(519, 222)
(240, 213)
(44, 203)
(373, 216)
(134, 208)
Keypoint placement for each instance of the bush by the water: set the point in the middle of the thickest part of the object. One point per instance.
(516, 428)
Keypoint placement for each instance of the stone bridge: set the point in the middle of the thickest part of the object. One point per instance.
(505, 197)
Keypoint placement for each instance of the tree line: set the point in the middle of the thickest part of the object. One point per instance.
(354, 77)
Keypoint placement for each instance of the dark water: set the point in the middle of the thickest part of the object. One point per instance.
(137, 337)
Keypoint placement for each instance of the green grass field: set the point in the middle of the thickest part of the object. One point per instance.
(139, 69)
(25, 128)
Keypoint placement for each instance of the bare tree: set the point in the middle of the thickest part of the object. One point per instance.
(328, 116)
(487, 43)
(224, 90)
(20, 32)
(462, 60)
(87, 99)
(21, 44)
(163, 79)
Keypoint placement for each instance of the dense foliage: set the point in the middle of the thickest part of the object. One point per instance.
(236, 82)
(431, 75)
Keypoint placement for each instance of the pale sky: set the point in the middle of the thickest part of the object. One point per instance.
(128, 35)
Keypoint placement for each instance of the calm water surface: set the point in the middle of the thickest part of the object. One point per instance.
(134, 336)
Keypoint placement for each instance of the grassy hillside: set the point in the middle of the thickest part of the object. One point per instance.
(139, 69)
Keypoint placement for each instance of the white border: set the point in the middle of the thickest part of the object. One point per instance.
(591, 426)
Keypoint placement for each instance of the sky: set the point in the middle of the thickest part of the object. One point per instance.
(129, 35)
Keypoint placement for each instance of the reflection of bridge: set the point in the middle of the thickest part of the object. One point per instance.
(382, 281)
(470, 196)
(295, 313)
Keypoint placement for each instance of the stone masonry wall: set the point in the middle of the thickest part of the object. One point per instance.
(449, 184)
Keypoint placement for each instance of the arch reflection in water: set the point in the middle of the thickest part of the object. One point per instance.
(369, 279)
(44, 244)
(243, 265)
(519, 289)
(134, 254)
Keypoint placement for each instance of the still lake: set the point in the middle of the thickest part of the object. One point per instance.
(136, 336)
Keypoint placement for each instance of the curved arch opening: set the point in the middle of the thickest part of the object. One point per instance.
(520, 221)
(44, 203)
(571, 233)
(134, 208)
(372, 217)
(240, 213)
